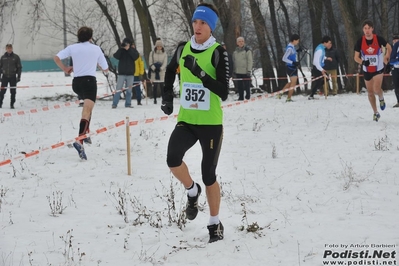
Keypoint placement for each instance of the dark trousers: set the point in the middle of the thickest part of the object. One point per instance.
(395, 77)
(13, 83)
(317, 84)
(137, 89)
(155, 86)
(243, 85)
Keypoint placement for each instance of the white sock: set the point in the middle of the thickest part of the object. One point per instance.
(192, 192)
(214, 220)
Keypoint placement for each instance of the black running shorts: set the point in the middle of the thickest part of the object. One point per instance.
(85, 87)
(291, 72)
(184, 136)
(368, 76)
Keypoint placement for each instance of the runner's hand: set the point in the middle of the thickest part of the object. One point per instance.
(366, 63)
(167, 107)
(190, 62)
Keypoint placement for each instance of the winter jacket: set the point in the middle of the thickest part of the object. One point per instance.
(242, 60)
(127, 60)
(158, 57)
(139, 67)
(331, 65)
(10, 65)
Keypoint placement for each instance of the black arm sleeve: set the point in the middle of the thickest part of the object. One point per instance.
(170, 74)
(117, 54)
(382, 41)
(133, 53)
(220, 86)
(358, 45)
(1, 65)
(19, 66)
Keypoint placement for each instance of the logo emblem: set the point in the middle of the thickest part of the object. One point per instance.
(370, 50)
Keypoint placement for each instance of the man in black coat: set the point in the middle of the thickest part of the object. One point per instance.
(126, 55)
(10, 70)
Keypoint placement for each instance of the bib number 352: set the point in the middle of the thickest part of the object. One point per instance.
(195, 96)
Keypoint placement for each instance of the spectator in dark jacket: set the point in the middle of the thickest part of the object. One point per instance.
(331, 67)
(10, 70)
(126, 55)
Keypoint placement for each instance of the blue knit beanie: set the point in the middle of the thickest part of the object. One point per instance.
(206, 14)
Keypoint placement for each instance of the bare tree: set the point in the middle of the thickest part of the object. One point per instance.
(261, 33)
(315, 11)
(230, 19)
(333, 31)
(280, 66)
(146, 26)
(188, 8)
(8, 9)
(352, 24)
(286, 17)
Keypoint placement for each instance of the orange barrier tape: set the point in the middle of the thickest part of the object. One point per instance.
(135, 123)
(96, 132)
(44, 86)
(37, 110)
(276, 78)
(57, 106)
(259, 97)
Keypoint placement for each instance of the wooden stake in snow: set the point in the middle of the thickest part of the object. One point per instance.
(129, 166)
(325, 86)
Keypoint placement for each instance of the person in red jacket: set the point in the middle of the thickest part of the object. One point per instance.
(369, 54)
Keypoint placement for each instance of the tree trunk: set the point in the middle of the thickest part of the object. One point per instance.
(230, 19)
(111, 22)
(387, 81)
(351, 23)
(142, 13)
(287, 17)
(188, 8)
(280, 66)
(260, 28)
(148, 17)
(315, 12)
(337, 40)
(124, 19)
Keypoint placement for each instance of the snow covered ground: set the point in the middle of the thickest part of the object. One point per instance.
(300, 181)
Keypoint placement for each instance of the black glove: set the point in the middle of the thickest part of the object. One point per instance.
(167, 107)
(191, 63)
(366, 62)
(18, 79)
(299, 50)
(295, 63)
